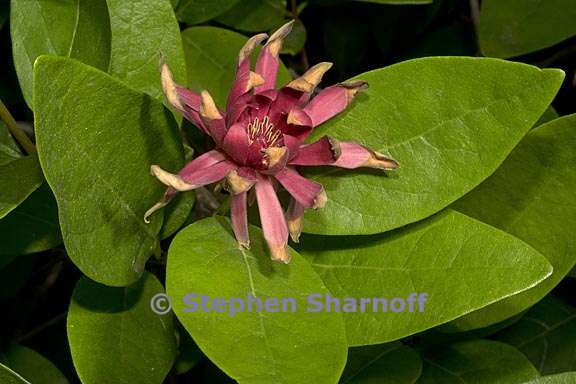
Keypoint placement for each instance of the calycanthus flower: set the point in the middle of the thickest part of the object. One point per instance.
(260, 142)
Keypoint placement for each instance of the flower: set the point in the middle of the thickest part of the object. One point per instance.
(259, 142)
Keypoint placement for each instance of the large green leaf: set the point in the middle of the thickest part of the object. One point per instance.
(563, 378)
(252, 346)
(450, 257)
(478, 362)
(197, 11)
(392, 363)
(515, 27)
(96, 141)
(531, 197)
(115, 337)
(71, 28)
(7, 376)
(255, 15)
(32, 366)
(142, 30)
(449, 121)
(19, 178)
(211, 57)
(547, 335)
(32, 226)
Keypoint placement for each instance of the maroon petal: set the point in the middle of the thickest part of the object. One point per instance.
(273, 222)
(194, 179)
(203, 161)
(324, 151)
(212, 118)
(294, 218)
(268, 60)
(206, 160)
(275, 158)
(354, 155)
(307, 192)
(245, 79)
(239, 215)
(236, 143)
(329, 102)
(184, 100)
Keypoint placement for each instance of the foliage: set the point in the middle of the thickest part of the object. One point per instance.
(457, 267)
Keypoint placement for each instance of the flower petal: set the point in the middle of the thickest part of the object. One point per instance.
(205, 160)
(307, 192)
(212, 118)
(236, 143)
(245, 79)
(329, 102)
(166, 198)
(324, 151)
(268, 60)
(354, 155)
(272, 218)
(194, 180)
(294, 218)
(240, 180)
(310, 79)
(275, 158)
(239, 216)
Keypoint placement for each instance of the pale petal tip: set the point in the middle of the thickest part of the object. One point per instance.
(378, 160)
(170, 179)
(295, 229)
(275, 41)
(320, 200)
(168, 85)
(311, 78)
(208, 107)
(236, 184)
(250, 45)
(254, 81)
(280, 253)
(353, 87)
(154, 208)
(275, 156)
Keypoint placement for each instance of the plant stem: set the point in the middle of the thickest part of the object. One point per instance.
(41, 328)
(15, 130)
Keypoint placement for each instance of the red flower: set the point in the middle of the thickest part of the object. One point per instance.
(260, 142)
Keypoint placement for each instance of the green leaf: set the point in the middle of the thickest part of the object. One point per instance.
(449, 126)
(476, 361)
(7, 376)
(33, 226)
(141, 31)
(96, 142)
(73, 28)
(115, 337)
(547, 335)
(197, 11)
(32, 366)
(450, 257)
(9, 150)
(531, 197)
(516, 27)
(22, 177)
(254, 15)
(211, 57)
(392, 363)
(280, 345)
(563, 378)
(176, 214)
(548, 116)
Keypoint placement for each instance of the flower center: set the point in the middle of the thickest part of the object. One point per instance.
(264, 133)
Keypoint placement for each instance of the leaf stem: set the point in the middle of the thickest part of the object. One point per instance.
(15, 130)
